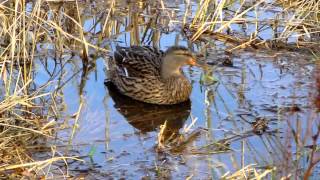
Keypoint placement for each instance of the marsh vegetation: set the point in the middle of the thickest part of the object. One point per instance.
(253, 113)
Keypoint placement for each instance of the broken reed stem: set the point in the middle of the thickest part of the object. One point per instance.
(76, 124)
(161, 136)
(247, 172)
(37, 163)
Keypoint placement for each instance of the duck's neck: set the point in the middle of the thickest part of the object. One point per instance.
(169, 69)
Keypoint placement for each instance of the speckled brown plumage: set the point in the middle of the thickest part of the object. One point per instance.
(150, 75)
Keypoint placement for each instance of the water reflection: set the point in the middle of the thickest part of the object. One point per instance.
(148, 117)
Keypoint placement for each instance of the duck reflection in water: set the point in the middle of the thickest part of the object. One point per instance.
(148, 117)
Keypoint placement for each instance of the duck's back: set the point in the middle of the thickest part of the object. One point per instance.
(135, 71)
(139, 60)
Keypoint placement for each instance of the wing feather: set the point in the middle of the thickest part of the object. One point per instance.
(139, 60)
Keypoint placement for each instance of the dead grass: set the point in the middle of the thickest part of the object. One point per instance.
(247, 172)
(296, 22)
(26, 113)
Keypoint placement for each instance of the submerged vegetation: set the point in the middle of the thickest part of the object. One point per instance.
(46, 46)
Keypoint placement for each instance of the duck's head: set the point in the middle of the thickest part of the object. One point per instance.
(174, 58)
(180, 56)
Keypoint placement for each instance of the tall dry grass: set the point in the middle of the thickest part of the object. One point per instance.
(27, 112)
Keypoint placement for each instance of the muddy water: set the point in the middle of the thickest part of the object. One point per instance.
(244, 113)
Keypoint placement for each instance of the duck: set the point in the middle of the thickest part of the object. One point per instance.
(150, 75)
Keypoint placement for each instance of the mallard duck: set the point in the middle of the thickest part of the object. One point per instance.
(150, 75)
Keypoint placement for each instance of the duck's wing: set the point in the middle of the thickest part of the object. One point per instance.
(138, 61)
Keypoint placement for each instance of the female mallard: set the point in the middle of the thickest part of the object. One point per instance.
(151, 75)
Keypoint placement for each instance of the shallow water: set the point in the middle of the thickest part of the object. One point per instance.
(123, 133)
(118, 137)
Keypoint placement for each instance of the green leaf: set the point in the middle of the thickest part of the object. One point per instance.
(92, 151)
